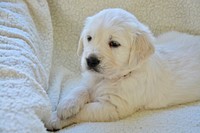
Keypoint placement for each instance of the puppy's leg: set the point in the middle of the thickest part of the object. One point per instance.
(98, 112)
(55, 123)
(92, 112)
(72, 104)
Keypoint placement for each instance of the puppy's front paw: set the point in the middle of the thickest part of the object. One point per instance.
(68, 108)
(54, 123)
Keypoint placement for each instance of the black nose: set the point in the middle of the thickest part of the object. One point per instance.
(92, 61)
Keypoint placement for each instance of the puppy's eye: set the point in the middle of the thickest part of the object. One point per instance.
(114, 44)
(89, 38)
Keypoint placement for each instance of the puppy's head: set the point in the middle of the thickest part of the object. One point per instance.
(114, 41)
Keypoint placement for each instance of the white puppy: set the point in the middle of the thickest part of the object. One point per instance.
(124, 70)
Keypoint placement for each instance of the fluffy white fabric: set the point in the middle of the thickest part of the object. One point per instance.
(25, 60)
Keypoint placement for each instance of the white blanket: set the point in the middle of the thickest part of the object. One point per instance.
(26, 44)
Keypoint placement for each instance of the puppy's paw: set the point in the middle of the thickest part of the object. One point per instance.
(54, 123)
(68, 108)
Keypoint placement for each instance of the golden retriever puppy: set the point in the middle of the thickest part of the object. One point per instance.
(124, 69)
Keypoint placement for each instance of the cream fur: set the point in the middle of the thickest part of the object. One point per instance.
(143, 73)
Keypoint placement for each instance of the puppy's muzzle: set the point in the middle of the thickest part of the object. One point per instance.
(92, 62)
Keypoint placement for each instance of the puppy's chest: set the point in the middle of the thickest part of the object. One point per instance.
(103, 90)
(108, 90)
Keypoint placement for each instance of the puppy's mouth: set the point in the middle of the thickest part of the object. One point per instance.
(95, 69)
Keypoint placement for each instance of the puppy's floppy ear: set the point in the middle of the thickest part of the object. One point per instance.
(80, 43)
(80, 46)
(141, 49)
